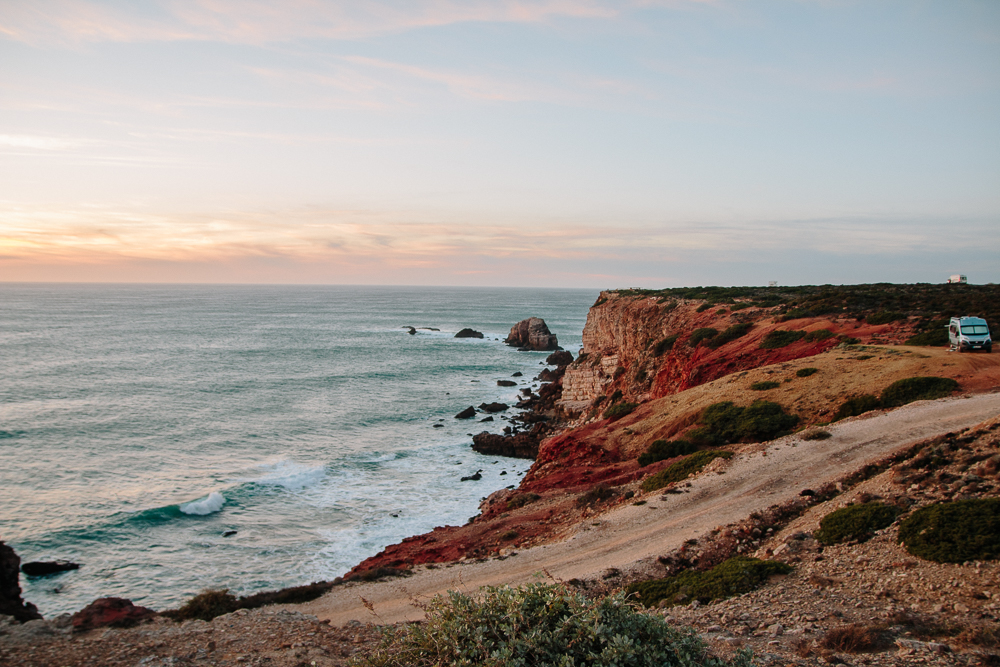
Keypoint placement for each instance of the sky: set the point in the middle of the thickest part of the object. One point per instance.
(536, 143)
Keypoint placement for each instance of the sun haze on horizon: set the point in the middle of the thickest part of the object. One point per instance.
(546, 143)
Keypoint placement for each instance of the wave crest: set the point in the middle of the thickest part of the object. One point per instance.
(213, 503)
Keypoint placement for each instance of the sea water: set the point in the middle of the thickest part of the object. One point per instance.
(140, 425)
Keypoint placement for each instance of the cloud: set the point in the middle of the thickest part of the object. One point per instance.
(40, 143)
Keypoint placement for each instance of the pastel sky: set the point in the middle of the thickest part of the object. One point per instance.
(570, 143)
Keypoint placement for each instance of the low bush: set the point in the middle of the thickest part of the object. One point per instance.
(805, 372)
(508, 535)
(619, 410)
(598, 494)
(816, 434)
(540, 625)
(765, 385)
(730, 333)
(856, 405)
(884, 317)
(703, 307)
(205, 606)
(522, 499)
(682, 469)
(617, 395)
(934, 338)
(740, 306)
(954, 532)
(848, 340)
(906, 391)
(698, 335)
(796, 313)
(780, 338)
(661, 450)
(664, 345)
(819, 334)
(855, 523)
(852, 638)
(760, 421)
(735, 576)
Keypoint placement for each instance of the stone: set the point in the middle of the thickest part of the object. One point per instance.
(532, 334)
(467, 413)
(475, 477)
(493, 407)
(43, 568)
(506, 383)
(469, 333)
(11, 603)
(560, 358)
(114, 612)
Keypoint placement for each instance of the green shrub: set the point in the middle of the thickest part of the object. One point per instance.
(934, 338)
(206, 605)
(848, 340)
(906, 391)
(856, 405)
(664, 345)
(760, 421)
(740, 306)
(730, 333)
(855, 522)
(796, 313)
(682, 469)
(805, 372)
(884, 317)
(540, 625)
(780, 338)
(617, 396)
(819, 334)
(699, 335)
(735, 576)
(954, 532)
(522, 499)
(598, 494)
(765, 385)
(619, 410)
(661, 450)
(703, 307)
(508, 535)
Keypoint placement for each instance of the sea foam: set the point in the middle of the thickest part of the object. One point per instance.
(213, 503)
(291, 475)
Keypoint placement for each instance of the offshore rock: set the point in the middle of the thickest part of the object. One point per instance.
(114, 612)
(11, 603)
(560, 358)
(468, 333)
(521, 446)
(467, 413)
(532, 334)
(493, 407)
(42, 568)
(506, 383)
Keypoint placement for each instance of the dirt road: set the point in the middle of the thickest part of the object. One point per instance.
(754, 479)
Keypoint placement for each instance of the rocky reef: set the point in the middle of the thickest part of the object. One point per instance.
(532, 334)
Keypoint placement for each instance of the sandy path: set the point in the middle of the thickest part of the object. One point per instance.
(752, 481)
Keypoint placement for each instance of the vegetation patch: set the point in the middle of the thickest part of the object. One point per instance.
(806, 372)
(855, 523)
(522, 499)
(508, 535)
(619, 410)
(819, 334)
(780, 338)
(856, 405)
(698, 335)
(703, 307)
(816, 434)
(765, 385)
(762, 420)
(542, 626)
(853, 638)
(661, 450)
(682, 469)
(664, 345)
(735, 576)
(729, 334)
(884, 317)
(906, 391)
(934, 338)
(598, 494)
(954, 532)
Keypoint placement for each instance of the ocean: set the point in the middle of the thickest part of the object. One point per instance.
(139, 424)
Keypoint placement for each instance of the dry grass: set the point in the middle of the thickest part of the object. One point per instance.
(853, 638)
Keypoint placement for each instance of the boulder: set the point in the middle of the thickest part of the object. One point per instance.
(493, 407)
(11, 603)
(474, 477)
(532, 334)
(41, 568)
(411, 331)
(468, 333)
(521, 446)
(114, 612)
(560, 358)
(506, 383)
(467, 413)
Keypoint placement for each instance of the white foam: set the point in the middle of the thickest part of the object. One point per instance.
(291, 475)
(213, 503)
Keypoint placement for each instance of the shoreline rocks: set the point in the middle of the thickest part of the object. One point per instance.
(469, 333)
(11, 603)
(44, 568)
(532, 334)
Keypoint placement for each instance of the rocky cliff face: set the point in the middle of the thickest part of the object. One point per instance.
(642, 346)
(11, 603)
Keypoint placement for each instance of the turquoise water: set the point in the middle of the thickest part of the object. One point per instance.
(140, 423)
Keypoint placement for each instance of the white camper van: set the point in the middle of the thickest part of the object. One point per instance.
(969, 333)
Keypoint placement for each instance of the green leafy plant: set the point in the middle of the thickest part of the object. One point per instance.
(661, 450)
(664, 345)
(682, 469)
(934, 338)
(819, 334)
(912, 389)
(855, 522)
(699, 335)
(884, 317)
(760, 421)
(540, 625)
(703, 307)
(954, 532)
(619, 410)
(765, 385)
(729, 334)
(806, 372)
(856, 405)
(780, 338)
(735, 576)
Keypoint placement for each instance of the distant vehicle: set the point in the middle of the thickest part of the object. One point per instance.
(969, 333)
(958, 279)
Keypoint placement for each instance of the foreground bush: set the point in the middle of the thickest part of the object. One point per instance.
(780, 338)
(934, 338)
(759, 421)
(805, 372)
(661, 450)
(855, 522)
(619, 410)
(856, 405)
(541, 626)
(205, 606)
(765, 385)
(906, 391)
(954, 532)
(735, 576)
(681, 470)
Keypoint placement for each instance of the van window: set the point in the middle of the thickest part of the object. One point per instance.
(975, 329)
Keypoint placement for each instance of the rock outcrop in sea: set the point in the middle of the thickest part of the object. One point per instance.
(532, 334)
(469, 333)
(11, 603)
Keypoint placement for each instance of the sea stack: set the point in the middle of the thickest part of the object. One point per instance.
(532, 334)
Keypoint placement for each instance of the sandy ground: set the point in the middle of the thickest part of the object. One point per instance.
(757, 477)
